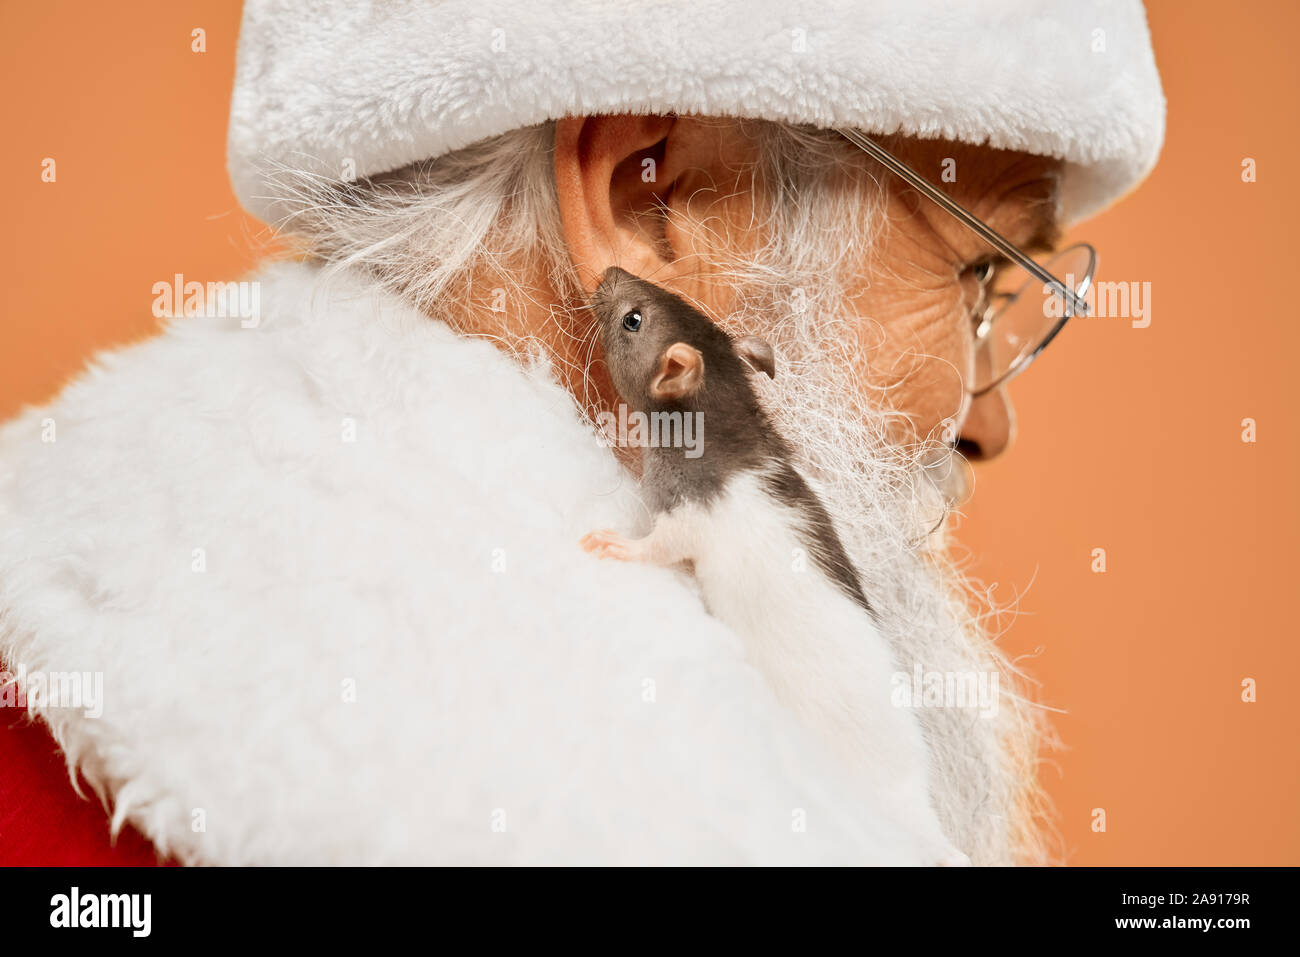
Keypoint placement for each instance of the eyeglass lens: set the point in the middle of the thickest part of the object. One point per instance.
(1015, 325)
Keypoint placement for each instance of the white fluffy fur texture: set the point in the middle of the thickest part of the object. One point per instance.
(484, 694)
(384, 83)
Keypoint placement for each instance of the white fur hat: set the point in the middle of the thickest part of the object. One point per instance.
(360, 88)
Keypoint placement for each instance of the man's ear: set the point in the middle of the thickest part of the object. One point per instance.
(681, 372)
(612, 177)
(757, 352)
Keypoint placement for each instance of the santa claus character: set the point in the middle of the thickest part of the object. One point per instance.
(327, 562)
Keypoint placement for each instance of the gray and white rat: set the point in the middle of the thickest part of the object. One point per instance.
(764, 548)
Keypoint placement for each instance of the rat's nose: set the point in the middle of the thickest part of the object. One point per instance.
(610, 280)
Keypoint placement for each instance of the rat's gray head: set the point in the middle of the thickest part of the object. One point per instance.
(658, 346)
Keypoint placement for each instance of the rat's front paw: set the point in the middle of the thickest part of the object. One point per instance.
(608, 543)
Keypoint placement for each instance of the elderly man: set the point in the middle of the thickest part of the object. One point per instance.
(324, 553)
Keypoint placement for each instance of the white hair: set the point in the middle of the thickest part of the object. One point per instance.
(425, 231)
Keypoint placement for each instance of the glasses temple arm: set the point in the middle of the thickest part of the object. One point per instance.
(991, 237)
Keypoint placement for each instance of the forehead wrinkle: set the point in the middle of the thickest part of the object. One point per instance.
(1029, 222)
(1047, 230)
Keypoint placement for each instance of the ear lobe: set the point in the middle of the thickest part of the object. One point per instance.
(681, 372)
(757, 353)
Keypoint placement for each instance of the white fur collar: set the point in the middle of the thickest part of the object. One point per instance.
(201, 532)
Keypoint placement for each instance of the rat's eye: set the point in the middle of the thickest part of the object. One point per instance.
(632, 321)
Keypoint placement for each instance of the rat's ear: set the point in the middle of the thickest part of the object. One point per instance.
(681, 372)
(757, 352)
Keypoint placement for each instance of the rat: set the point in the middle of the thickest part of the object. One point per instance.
(763, 547)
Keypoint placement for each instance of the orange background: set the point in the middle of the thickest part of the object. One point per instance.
(1130, 438)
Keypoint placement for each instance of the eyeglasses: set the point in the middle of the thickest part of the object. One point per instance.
(1011, 328)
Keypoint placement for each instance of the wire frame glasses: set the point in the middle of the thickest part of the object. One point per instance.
(1013, 323)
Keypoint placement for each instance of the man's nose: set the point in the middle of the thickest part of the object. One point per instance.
(990, 427)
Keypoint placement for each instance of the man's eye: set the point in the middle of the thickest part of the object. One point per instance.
(983, 271)
(632, 321)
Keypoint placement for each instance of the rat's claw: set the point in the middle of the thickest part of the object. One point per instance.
(608, 543)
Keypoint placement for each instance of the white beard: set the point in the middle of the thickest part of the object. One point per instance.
(889, 512)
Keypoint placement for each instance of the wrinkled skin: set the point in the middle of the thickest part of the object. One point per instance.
(919, 284)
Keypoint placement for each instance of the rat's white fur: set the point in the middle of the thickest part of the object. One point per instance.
(819, 650)
(516, 700)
